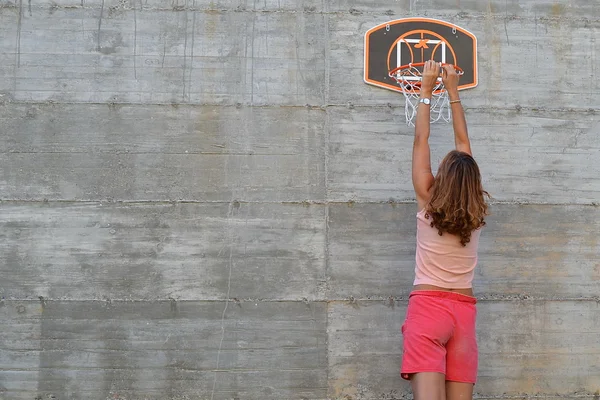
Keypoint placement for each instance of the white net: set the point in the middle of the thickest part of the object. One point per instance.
(409, 78)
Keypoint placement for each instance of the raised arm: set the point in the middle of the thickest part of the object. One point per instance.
(459, 123)
(421, 160)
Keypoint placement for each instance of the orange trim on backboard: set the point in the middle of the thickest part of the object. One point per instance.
(429, 20)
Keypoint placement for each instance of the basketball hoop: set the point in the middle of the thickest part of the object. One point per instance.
(409, 79)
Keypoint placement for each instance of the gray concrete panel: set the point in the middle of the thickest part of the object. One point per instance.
(524, 156)
(525, 347)
(467, 9)
(509, 51)
(19, 348)
(538, 251)
(165, 350)
(146, 251)
(115, 54)
(371, 250)
(97, 152)
(178, 5)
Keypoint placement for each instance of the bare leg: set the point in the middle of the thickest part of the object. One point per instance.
(428, 386)
(459, 391)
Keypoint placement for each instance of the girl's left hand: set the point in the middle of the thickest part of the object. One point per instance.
(431, 72)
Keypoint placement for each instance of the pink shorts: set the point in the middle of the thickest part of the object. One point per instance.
(439, 335)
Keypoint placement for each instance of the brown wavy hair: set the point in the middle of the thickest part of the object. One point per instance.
(457, 205)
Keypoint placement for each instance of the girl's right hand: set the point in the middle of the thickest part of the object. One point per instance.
(450, 78)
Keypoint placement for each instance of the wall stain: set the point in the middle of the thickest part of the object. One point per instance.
(561, 39)
(494, 64)
(100, 25)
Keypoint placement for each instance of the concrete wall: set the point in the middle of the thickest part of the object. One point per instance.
(202, 199)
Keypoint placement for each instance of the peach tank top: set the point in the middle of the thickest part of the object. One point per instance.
(441, 260)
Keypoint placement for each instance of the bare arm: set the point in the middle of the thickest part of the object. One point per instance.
(459, 123)
(422, 176)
